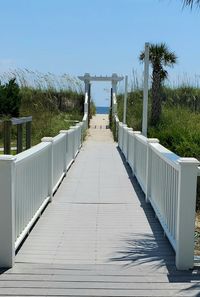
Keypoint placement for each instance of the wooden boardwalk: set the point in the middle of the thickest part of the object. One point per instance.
(98, 237)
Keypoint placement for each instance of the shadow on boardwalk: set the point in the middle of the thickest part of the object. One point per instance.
(154, 249)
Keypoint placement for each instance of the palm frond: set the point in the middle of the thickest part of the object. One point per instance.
(191, 3)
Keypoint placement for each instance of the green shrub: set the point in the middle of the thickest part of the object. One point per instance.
(10, 99)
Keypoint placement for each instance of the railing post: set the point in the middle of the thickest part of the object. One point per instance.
(82, 132)
(73, 128)
(28, 135)
(79, 125)
(186, 213)
(65, 165)
(123, 136)
(7, 211)
(120, 135)
(134, 150)
(19, 138)
(127, 143)
(116, 128)
(50, 191)
(7, 136)
(130, 148)
(148, 167)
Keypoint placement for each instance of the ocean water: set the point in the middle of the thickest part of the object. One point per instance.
(102, 109)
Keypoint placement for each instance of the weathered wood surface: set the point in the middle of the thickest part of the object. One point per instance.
(98, 237)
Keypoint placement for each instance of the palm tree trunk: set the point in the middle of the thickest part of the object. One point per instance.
(156, 97)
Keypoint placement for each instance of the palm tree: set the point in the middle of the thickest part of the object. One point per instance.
(159, 56)
(191, 2)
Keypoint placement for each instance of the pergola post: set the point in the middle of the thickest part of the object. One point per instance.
(87, 82)
(114, 87)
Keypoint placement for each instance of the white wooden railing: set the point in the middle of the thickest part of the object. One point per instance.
(28, 182)
(169, 183)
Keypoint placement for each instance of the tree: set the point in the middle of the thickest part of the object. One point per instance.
(159, 56)
(191, 2)
(10, 99)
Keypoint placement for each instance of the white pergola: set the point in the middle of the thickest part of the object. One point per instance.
(114, 79)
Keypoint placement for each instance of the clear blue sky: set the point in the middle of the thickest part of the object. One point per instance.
(96, 36)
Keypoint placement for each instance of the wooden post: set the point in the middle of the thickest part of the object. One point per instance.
(7, 136)
(19, 138)
(28, 135)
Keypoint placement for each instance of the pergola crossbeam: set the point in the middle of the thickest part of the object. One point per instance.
(88, 78)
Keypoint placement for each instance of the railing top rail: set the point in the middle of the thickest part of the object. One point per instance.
(58, 137)
(71, 130)
(32, 151)
(141, 138)
(72, 121)
(22, 120)
(17, 121)
(165, 154)
(122, 125)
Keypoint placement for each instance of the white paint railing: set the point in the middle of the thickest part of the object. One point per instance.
(169, 183)
(140, 159)
(59, 159)
(70, 147)
(28, 182)
(120, 135)
(163, 187)
(30, 168)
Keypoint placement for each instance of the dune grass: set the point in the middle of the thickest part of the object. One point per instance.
(54, 102)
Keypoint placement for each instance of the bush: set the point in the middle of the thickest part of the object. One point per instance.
(10, 99)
